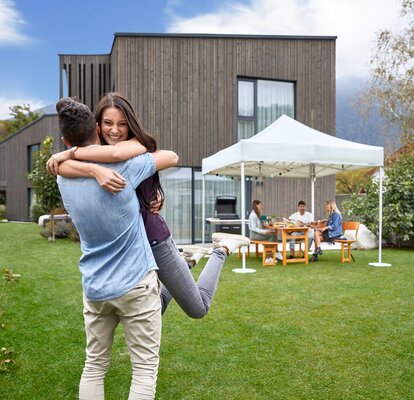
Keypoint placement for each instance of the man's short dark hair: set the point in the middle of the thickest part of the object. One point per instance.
(301, 203)
(76, 122)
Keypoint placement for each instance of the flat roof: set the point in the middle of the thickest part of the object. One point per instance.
(226, 36)
(219, 36)
(206, 35)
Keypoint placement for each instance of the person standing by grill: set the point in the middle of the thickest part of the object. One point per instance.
(257, 232)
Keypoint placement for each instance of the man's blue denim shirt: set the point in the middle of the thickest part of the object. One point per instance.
(116, 253)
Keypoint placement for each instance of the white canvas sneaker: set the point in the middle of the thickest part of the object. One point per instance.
(191, 248)
(193, 254)
(229, 241)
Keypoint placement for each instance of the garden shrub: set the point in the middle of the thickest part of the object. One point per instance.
(74, 234)
(63, 229)
(2, 211)
(398, 201)
(36, 212)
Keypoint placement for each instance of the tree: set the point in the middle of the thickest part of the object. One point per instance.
(391, 88)
(398, 199)
(21, 116)
(391, 91)
(351, 182)
(44, 183)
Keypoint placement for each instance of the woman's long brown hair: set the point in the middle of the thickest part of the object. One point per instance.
(135, 129)
(255, 203)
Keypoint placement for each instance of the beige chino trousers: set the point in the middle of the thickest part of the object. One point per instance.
(139, 311)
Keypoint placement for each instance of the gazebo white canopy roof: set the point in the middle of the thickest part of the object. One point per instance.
(291, 149)
(288, 148)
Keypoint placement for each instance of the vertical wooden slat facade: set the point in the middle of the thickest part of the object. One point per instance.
(14, 163)
(184, 88)
(3, 175)
(87, 77)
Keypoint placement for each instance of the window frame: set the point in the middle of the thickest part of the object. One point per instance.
(254, 119)
(30, 154)
(243, 117)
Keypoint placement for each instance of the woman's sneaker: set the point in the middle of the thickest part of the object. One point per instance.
(193, 254)
(229, 241)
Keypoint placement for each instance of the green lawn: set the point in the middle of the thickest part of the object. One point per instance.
(323, 331)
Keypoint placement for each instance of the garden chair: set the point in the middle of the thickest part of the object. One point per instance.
(346, 243)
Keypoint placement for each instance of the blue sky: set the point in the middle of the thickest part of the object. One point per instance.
(33, 33)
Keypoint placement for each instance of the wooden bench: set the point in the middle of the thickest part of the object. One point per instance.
(269, 251)
(346, 243)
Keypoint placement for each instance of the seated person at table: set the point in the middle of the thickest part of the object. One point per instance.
(330, 232)
(257, 232)
(301, 218)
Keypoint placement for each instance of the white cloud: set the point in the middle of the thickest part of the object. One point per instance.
(354, 22)
(11, 22)
(5, 103)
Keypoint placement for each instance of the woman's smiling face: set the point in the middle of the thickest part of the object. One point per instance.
(114, 126)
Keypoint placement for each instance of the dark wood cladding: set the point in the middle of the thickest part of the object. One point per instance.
(185, 88)
(87, 77)
(2, 168)
(280, 196)
(14, 163)
(185, 91)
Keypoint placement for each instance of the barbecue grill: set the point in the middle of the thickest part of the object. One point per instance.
(225, 209)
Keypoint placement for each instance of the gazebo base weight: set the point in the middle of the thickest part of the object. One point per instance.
(379, 264)
(244, 270)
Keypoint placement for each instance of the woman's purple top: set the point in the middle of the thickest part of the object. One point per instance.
(155, 226)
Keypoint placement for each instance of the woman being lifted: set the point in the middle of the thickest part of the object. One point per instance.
(124, 137)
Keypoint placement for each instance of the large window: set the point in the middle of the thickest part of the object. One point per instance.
(246, 110)
(177, 212)
(31, 150)
(261, 102)
(215, 186)
(31, 200)
(183, 201)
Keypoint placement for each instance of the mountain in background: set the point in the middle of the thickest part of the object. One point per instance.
(350, 125)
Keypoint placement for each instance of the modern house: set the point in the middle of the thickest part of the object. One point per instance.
(16, 155)
(198, 94)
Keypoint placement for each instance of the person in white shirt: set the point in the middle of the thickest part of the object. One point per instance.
(257, 232)
(301, 218)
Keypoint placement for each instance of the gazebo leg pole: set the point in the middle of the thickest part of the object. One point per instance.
(312, 178)
(203, 210)
(243, 270)
(380, 263)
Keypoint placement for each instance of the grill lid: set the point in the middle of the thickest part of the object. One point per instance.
(226, 205)
(227, 216)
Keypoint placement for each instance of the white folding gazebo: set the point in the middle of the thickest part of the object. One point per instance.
(289, 148)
